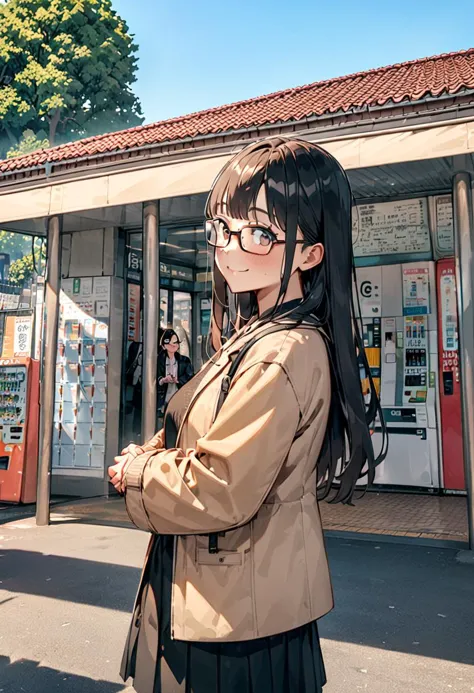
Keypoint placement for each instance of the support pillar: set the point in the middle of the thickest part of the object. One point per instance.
(464, 252)
(151, 316)
(50, 345)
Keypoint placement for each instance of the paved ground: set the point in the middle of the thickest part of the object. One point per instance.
(403, 621)
(441, 518)
(401, 514)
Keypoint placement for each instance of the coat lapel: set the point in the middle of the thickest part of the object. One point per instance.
(217, 365)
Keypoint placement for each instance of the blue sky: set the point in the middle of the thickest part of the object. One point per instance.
(195, 54)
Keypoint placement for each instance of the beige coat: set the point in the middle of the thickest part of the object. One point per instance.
(252, 475)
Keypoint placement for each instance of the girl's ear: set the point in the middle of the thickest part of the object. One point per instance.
(311, 257)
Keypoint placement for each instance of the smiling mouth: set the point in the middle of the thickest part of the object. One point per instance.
(236, 271)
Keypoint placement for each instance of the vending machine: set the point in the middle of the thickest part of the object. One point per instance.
(449, 378)
(80, 407)
(398, 311)
(19, 423)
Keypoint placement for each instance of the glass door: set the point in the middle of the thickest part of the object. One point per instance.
(182, 320)
(133, 347)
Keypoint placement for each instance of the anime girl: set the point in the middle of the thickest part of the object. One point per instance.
(236, 574)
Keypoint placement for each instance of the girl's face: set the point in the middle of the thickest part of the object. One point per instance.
(254, 256)
(172, 346)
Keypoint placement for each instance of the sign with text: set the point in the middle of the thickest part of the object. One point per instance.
(391, 228)
(444, 225)
(17, 337)
(416, 291)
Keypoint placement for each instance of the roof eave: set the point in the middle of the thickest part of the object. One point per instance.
(106, 158)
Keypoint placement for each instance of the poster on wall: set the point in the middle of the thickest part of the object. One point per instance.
(85, 295)
(444, 224)
(17, 336)
(449, 314)
(391, 228)
(416, 291)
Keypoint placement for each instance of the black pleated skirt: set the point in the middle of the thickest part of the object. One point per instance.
(290, 662)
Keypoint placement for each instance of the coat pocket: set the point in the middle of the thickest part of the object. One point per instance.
(213, 595)
(203, 557)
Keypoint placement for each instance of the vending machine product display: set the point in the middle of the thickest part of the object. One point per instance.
(449, 378)
(19, 421)
(401, 347)
(81, 376)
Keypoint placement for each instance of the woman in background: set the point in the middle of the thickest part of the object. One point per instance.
(174, 369)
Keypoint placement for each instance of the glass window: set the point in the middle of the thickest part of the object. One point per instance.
(182, 320)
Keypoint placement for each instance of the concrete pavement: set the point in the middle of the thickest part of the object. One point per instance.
(404, 617)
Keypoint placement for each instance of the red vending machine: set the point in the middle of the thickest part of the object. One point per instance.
(19, 422)
(449, 377)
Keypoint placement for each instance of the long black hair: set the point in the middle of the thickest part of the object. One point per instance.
(307, 189)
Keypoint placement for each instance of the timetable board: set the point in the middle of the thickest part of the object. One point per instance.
(391, 228)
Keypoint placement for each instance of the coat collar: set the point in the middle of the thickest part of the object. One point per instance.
(235, 344)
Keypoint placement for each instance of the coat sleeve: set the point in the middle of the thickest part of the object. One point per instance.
(187, 374)
(222, 482)
(155, 443)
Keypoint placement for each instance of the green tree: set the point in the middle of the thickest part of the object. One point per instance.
(23, 269)
(28, 143)
(66, 68)
(15, 244)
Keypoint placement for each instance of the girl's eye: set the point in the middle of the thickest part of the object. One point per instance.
(222, 229)
(262, 237)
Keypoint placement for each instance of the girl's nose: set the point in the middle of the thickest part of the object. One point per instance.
(232, 245)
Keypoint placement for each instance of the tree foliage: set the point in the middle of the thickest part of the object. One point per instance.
(23, 269)
(28, 143)
(15, 244)
(66, 68)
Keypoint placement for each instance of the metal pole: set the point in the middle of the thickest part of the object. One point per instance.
(50, 345)
(151, 314)
(464, 252)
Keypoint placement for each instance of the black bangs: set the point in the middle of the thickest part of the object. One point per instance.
(236, 189)
(306, 189)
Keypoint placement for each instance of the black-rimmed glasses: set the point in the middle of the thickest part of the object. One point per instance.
(253, 238)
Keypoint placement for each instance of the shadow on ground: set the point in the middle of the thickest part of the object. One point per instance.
(402, 598)
(77, 580)
(28, 676)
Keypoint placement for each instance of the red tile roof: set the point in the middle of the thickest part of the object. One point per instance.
(411, 81)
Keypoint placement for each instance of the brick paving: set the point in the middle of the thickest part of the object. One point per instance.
(394, 514)
(400, 514)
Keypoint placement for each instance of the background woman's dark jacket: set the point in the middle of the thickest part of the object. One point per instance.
(185, 373)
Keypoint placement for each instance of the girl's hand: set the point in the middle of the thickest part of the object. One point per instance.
(133, 450)
(117, 472)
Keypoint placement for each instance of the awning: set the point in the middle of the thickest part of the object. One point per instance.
(197, 175)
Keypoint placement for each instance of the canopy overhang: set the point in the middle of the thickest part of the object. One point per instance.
(154, 181)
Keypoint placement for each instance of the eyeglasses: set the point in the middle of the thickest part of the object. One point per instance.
(168, 341)
(254, 239)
